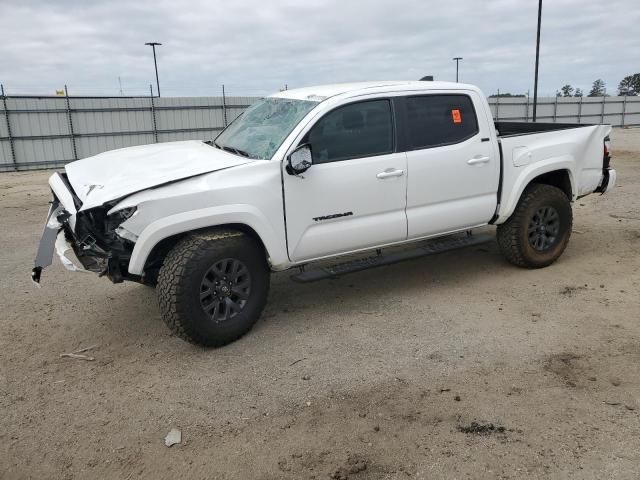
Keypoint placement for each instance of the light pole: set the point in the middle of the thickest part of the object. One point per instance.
(457, 59)
(153, 45)
(535, 82)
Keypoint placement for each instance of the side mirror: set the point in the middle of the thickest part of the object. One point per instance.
(300, 160)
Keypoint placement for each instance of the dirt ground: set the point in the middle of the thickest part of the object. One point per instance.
(452, 366)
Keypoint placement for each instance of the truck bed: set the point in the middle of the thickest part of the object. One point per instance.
(507, 129)
(530, 149)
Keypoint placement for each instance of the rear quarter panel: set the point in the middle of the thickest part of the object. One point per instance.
(577, 150)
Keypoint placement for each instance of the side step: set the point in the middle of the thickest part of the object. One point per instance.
(430, 248)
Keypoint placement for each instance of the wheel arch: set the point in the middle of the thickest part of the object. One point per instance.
(554, 174)
(161, 249)
(556, 178)
(160, 236)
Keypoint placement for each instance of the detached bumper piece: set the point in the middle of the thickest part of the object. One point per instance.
(47, 244)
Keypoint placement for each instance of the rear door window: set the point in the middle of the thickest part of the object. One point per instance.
(434, 120)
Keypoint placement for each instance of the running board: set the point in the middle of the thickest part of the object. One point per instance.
(430, 248)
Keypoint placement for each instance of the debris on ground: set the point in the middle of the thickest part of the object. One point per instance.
(173, 437)
(476, 428)
(569, 290)
(78, 354)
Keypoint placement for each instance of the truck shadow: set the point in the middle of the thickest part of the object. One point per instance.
(464, 274)
(134, 313)
(403, 281)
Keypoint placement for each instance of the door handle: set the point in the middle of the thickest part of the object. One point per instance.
(477, 159)
(390, 173)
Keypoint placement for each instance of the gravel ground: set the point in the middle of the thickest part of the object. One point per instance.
(453, 366)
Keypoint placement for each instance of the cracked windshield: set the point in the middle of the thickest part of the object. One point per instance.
(260, 131)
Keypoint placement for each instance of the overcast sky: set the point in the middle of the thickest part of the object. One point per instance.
(256, 47)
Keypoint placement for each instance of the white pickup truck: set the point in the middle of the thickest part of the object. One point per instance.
(316, 173)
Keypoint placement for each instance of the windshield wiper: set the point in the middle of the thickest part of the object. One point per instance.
(237, 151)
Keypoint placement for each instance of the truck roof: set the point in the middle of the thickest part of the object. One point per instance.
(321, 92)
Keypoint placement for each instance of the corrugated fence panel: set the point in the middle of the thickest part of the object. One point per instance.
(632, 111)
(42, 136)
(567, 110)
(40, 131)
(179, 136)
(6, 163)
(103, 124)
(508, 108)
(570, 109)
(188, 118)
(93, 145)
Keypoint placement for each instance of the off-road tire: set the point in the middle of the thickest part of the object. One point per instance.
(513, 235)
(179, 286)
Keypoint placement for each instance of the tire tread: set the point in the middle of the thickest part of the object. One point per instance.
(509, 240)
(173, 295)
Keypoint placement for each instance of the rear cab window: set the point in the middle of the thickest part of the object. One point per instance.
(439, 119)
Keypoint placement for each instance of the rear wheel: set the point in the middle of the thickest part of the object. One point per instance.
(538, 231)
(213, 286)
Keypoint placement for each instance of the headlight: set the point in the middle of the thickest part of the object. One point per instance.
(125, 213)
(115, 221)
(126, 234)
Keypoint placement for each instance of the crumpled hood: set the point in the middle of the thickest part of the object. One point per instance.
(115, 174)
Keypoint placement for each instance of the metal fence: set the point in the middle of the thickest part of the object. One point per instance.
(48, 132)
(616, 111)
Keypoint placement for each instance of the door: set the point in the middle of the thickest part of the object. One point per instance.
(354, 195)
(453, 166)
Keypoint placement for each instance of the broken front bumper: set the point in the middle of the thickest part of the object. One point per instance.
(62, 214)
(66, 231)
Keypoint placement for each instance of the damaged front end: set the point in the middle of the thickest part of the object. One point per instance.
(96, 238)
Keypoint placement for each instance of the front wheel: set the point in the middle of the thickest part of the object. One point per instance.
(538, 231)
(213, 286)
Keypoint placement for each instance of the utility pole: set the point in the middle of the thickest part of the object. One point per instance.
(535, 82)
(457, 59)
(153, 45)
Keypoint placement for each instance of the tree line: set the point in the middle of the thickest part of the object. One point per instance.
(628, 86)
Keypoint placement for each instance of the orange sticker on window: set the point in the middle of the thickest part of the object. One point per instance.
(455, 115)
